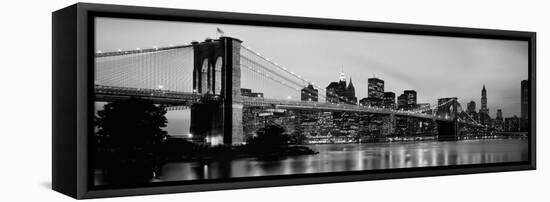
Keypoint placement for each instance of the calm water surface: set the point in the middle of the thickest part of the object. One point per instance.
(350, 157)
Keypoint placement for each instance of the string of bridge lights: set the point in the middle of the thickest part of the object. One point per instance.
(140, 50)
(281, 67)
(248, 60)
(269, 77)
(143, 60)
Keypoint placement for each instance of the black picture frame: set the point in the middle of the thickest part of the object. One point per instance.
(72, 104)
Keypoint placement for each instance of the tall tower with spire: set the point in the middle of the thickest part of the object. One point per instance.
(484, 111)
(350, 92)
(484, 108)
(342, 78)
(341, 92)
(337, 90)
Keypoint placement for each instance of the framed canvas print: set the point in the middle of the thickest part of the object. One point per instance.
(155, 100)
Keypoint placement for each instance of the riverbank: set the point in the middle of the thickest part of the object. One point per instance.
(180, 150)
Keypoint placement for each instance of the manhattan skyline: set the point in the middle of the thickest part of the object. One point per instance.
(435, 67)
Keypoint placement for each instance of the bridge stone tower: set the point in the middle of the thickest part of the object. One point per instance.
(447, 129)
(217, 74)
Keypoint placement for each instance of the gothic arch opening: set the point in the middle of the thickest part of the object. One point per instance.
(205, 78)
(218, 76)
(196, 79)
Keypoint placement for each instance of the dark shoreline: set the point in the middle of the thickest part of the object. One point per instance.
(232, 152)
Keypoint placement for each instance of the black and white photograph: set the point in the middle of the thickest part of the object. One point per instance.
(185, 101)
(277, 100)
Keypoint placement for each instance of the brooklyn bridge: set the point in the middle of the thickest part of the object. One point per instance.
(207, 78)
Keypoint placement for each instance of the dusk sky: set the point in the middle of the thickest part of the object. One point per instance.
(435, 67)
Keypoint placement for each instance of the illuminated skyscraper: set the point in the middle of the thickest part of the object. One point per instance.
(499, 121)
(340, 92)
(376, 88)
(389, 100)
(471, 107)
(402, 102)
(309, 93)
(471, 110)
(524, 119)
(524, 99)
(375, 93)
(499, 114)
(411, 98)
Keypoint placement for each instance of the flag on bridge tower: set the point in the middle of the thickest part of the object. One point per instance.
(219, 31)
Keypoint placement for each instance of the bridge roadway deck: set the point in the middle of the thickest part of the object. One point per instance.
(110, 93)
(320, 106)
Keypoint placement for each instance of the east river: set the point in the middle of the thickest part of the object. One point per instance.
(351, 157)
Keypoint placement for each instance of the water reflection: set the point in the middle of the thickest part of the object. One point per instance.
(352, 157)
